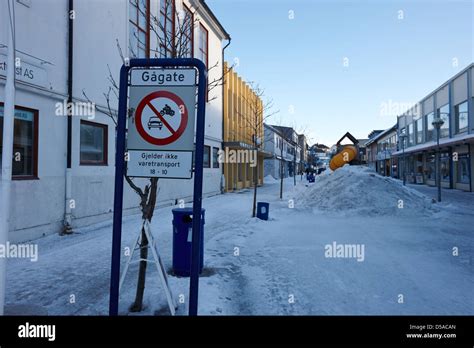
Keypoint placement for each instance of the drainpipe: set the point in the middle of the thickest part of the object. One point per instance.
(224, 179)
(7, 150)
(67, 211)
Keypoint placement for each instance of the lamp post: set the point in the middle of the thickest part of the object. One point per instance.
(437, 123)
(403, 136)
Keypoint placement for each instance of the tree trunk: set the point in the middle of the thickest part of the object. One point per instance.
(138, 303)
(281, 175)
(294, 169)
(148, 206)
(255, 183)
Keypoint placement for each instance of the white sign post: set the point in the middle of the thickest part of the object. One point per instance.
(160, 140)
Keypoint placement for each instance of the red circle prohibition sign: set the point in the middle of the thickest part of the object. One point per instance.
(175, 134)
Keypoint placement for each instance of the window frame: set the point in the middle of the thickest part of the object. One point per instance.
(187, 9)
(419, 132)
(137, 25)
(463, 130)
(462, 158)
(206, 148)
(217, 158)
(430, 133)
(105, 128)
(35, 112)
(173, 33)
(445, 130)
(202, 27)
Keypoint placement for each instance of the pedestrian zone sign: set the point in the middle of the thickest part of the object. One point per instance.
(160, 140)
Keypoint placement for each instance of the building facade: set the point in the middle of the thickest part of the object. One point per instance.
(243, 150)
(52, 180)
(453, 103)
(281, 149)
(303, 146)
(379, 152)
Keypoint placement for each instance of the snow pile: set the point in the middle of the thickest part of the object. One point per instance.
(359, 190)
(270, 179)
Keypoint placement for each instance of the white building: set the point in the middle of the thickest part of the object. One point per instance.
(282, 144)
(48, 60)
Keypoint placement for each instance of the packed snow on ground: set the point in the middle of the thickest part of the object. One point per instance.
(270, 180)
(279, 266)
(359, 190)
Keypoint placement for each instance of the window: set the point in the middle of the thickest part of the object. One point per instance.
(203, 50)
(203, 45)
(430, 167)
(240, 169)
(443, 113)
(207, 157)
(25, 142)
(186, 34)
(215, 157)
(444, 164)
(460, 114)
(411, 136)
(93, 149)
(139, 36)
(166, 30)
(419, 131)
(463, 169)
(429, 126)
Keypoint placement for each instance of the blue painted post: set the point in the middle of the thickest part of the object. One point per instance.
(197, 203)
(118, 194)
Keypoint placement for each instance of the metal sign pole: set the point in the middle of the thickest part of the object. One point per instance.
(119, 173)
(118, 194)
(197, 197)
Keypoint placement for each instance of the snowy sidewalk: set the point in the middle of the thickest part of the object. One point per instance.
(269, 267)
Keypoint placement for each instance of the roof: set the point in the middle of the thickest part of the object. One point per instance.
(214, 18)
(378, 136)
(350, 137)
(375, 132)
(287, 132)
(273, 129)
(362, 142)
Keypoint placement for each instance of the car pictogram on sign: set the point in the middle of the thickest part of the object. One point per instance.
(154, 122)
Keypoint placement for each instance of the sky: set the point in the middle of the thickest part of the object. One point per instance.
(335, 66)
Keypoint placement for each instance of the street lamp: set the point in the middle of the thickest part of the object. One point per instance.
(437, 123)
(403, 136)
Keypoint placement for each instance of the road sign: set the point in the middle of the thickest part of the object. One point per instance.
(165, 126)
(148, 79)
(162, 104)
(163, 164)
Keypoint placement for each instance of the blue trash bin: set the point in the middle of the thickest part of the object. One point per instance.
(262, 210)
(182, 241)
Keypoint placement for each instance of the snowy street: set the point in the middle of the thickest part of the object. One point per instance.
(277, 266)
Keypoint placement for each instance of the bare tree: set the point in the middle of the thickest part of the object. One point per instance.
(172, 42)
(258, 111)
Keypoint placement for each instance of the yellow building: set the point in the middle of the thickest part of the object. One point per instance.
(243, 132)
